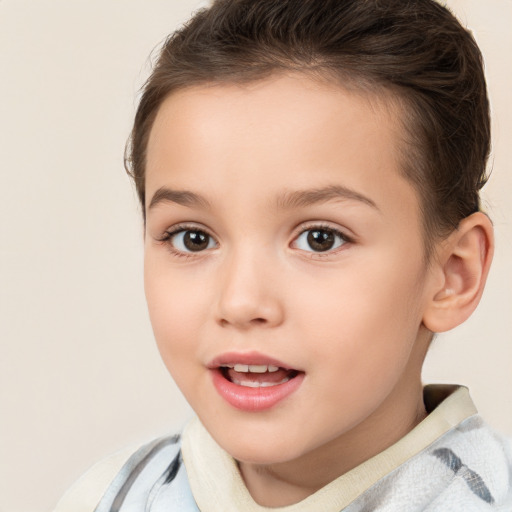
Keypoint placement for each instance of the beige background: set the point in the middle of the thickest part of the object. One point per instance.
(79, 374)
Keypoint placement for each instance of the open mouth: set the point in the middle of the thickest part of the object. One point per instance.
(254, 382)
(256, 375)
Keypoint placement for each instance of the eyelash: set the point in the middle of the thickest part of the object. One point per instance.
(345, 239)
(167, 237)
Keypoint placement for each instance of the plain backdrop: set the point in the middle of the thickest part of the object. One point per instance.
(80, 376)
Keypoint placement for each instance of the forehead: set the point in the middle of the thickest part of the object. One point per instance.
(284, 132)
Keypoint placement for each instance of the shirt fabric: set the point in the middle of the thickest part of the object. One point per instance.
(451, 461)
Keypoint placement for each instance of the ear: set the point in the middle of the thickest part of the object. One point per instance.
(459, 273)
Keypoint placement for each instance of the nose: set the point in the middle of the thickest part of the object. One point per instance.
(249, 294)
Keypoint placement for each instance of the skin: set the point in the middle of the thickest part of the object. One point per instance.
(350, 318)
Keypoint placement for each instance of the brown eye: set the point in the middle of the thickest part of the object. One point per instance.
(192, 240)
(195, 240)
(320, 240)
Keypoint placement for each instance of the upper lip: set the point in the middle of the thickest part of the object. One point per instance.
(249, 358)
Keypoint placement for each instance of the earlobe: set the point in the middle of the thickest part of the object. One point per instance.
(463, 262)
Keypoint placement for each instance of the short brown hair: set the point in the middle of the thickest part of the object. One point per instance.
(415, 48)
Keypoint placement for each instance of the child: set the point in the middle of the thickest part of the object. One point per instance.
(309, 174)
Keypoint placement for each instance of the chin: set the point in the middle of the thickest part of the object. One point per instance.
(260, 449)
(259, 455)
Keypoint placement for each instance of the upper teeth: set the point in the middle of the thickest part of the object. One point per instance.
(252, 368)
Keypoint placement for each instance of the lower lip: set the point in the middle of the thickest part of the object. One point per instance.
(254, 399)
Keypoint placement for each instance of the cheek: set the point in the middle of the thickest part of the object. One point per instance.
(367, 316)
(174, 306)
(177, 308)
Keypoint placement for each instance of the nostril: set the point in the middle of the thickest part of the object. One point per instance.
(254, 321)
(243, 312)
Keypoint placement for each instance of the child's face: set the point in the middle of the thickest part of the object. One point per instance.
(297, 244)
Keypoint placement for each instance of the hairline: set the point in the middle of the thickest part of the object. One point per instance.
(384, 95)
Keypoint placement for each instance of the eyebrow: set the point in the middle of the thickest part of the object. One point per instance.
(288, 200)
(182, 197)
(302, 198)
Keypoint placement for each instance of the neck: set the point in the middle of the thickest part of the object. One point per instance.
(282, 484)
